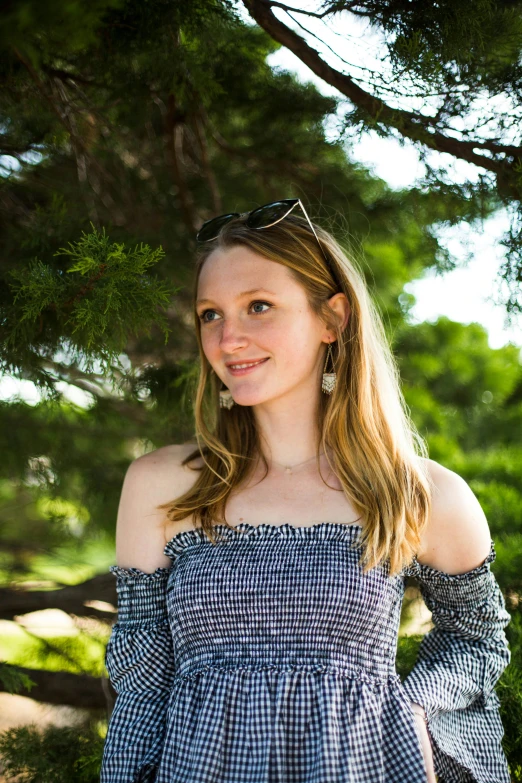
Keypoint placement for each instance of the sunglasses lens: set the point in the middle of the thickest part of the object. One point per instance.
(211, 228)
(270, 213)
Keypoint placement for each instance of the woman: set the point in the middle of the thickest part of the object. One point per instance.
(260, 575)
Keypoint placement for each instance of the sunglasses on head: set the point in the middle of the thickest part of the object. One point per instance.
(261, 217)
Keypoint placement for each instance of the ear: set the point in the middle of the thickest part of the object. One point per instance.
(341, 306)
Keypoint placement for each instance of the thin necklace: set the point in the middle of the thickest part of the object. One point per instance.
(290, 468)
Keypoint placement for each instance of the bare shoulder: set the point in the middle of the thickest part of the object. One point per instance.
(457, 538)
(151, 480)
(166, 458)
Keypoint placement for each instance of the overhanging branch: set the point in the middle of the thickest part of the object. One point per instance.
(413, 126)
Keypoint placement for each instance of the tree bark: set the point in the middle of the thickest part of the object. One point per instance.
(71, 599)
(73, 690)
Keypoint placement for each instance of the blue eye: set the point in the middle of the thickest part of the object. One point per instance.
(203, 314)
(262, 303)
(257, 302)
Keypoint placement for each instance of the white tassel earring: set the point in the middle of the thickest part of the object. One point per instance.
(225, 399)
(329, 378)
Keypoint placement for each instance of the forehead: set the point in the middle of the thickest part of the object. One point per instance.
(239, 269)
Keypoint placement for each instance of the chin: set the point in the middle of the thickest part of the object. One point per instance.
(247, 400)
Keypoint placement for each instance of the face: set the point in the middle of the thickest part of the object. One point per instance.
(252, 310)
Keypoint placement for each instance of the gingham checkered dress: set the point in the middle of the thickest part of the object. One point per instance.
(269, 657)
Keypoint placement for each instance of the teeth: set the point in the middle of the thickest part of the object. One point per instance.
(241, 366)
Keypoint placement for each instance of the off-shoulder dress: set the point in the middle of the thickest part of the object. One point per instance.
(269, 657)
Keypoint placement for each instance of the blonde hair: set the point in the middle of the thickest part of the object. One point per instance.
(377, 452)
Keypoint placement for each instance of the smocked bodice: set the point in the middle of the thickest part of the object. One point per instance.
(284, 596)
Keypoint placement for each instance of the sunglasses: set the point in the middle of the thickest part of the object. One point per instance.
(261, 217)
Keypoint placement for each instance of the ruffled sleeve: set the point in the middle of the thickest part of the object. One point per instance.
(458, 665)
(139, 660)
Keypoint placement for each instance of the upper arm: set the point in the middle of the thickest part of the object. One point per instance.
(150, 480)
(457, 537)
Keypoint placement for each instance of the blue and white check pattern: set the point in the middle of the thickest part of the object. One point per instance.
(270, 658)
(458, 665)
(140, 664)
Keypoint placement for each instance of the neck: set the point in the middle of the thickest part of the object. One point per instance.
(288, 429)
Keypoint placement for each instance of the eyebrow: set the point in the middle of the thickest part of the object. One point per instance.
(241, 295)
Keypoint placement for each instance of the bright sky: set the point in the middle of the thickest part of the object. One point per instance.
(468, 293)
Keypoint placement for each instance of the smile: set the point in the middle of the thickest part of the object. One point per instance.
(242, 368)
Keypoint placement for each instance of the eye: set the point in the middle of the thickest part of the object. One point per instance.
(261, 303)
(203, 314)
(257, 302)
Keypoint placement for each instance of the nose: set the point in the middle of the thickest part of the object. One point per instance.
(232, 335)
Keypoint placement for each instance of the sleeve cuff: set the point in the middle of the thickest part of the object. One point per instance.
(141, 596)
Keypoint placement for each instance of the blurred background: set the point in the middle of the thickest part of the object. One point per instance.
(123, 126)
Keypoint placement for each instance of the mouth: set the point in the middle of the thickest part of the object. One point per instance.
(243, 368)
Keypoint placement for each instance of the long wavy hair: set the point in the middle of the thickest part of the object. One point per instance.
(376, 451)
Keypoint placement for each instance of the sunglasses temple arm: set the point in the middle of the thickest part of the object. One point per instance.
(315, 234)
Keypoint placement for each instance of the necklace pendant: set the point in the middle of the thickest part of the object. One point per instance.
(288, 470)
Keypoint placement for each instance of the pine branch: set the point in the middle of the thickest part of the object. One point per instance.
(89, 310)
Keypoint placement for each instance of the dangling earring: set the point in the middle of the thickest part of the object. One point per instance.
(225, 399)
(329, 378)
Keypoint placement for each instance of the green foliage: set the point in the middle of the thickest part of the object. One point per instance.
(498, 463)
(13, 680)
(108, 296)
(79, 654)
(458, 388)
(500, 502)
(52, 755)
(168, 388)
(407, 650)
(454, 39)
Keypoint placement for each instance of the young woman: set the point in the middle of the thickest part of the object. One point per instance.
(260, 571)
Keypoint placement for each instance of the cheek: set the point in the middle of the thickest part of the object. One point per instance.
(210, 343)
(296, 349)
(283, 329)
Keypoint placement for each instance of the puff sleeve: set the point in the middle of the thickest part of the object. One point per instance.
(139, 660)
(458, 665)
